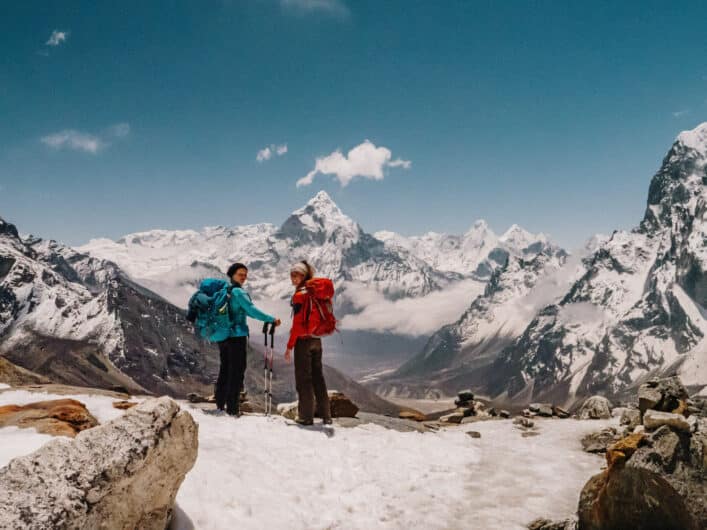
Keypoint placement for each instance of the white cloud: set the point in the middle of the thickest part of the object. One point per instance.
(409, 316)
(120, 130)
(365, 160)
(83, 141)
(680, 113)
(75, 140)
(331, 7)
(57, 37)
(266, 153)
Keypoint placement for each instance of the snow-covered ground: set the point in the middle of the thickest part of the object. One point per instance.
(258, 473)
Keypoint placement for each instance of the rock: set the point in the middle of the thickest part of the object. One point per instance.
(654, 419)
(524, 422)
(663, 395)
(595, 408)
(124, 405)
(124, 474)
(629, 498)
(547, 524)
(560, 412)
(623, 449)
(341, 406)
(545, 410)
(474, 434)
(454, 417)
(288, 410)
(660, 452)
(630, 418)
(504, 414)
(466, 395)
(493, 412)
(58, 417)
(528, 413)
(413, 415)
(598, 442)
(534, 407)
(466, 411)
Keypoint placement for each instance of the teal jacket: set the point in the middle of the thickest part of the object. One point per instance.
(241, 307)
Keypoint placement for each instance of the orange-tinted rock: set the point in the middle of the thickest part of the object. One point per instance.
(59, 417)
(124, 405)
(624, 448)
(413, 415)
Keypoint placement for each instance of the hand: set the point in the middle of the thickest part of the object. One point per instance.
(288, 355)
(277, 322)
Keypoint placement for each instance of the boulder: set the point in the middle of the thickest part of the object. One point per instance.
(598, 442)
(625, 498)
(124, 405)
(341, 406)
(595, 408)
(630, 417)
(663, 395)
(547, 524)
(504, 414)
(466, 395)
(560, 412)
(58, 417)
(124, 474)
(545, 410)
(413, 415)
(659, 453)
(288, 410)
(524, 422)
(454, 417)
(654, 419)
(534, 407)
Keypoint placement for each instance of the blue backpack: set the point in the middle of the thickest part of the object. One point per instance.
(209, 309)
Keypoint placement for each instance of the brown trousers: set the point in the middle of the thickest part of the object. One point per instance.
(309, 379)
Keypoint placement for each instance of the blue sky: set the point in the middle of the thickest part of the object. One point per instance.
(123, 116)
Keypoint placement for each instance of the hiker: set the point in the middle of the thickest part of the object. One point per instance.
(233, 342)
(309, 377)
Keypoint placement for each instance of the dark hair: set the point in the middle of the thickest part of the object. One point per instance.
(235, 268)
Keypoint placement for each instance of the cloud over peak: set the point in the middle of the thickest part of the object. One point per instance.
(365, 161)
(74, 140)
(331, 7)
(266, 153)
(57, 37)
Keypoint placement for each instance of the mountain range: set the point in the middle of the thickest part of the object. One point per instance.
(559, 328)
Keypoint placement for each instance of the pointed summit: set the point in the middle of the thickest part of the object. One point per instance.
(8, 228)
(695, 139)
(319, 220)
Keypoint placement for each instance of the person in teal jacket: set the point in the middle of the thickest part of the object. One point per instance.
(233, 341)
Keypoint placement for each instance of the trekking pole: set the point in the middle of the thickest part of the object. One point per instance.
(272, 358)
(265, 367)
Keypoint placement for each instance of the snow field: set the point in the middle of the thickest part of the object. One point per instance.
(257, 472)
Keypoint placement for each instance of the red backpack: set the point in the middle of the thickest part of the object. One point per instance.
(319, 316)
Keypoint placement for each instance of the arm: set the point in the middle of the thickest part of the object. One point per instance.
(241, 299)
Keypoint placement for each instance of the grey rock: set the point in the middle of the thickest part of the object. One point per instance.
(659, 454)
(474, 434)
(545, 410)
(466, 395)
(504, 414)
(595, 408)
(654, 419)
(630, 418)
(454, 417)
(664, 395)
(524, 422)
(124, 474)
(547, 524)
(598, 442)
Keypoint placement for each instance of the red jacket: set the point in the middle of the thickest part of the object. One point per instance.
(299, 309)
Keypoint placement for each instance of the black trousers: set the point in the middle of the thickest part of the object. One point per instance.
(309, 380)
(231, 374)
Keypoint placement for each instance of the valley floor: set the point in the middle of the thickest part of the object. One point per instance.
(257, 472)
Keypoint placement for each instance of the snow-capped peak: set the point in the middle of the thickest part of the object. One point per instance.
(321, 215)
(695, 139)
(519, 238)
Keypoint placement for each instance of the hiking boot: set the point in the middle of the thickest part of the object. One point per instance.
(215, 412)
(300, 421)
(326, 421)
(234, 413)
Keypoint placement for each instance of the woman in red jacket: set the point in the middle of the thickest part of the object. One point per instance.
(309, 377)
